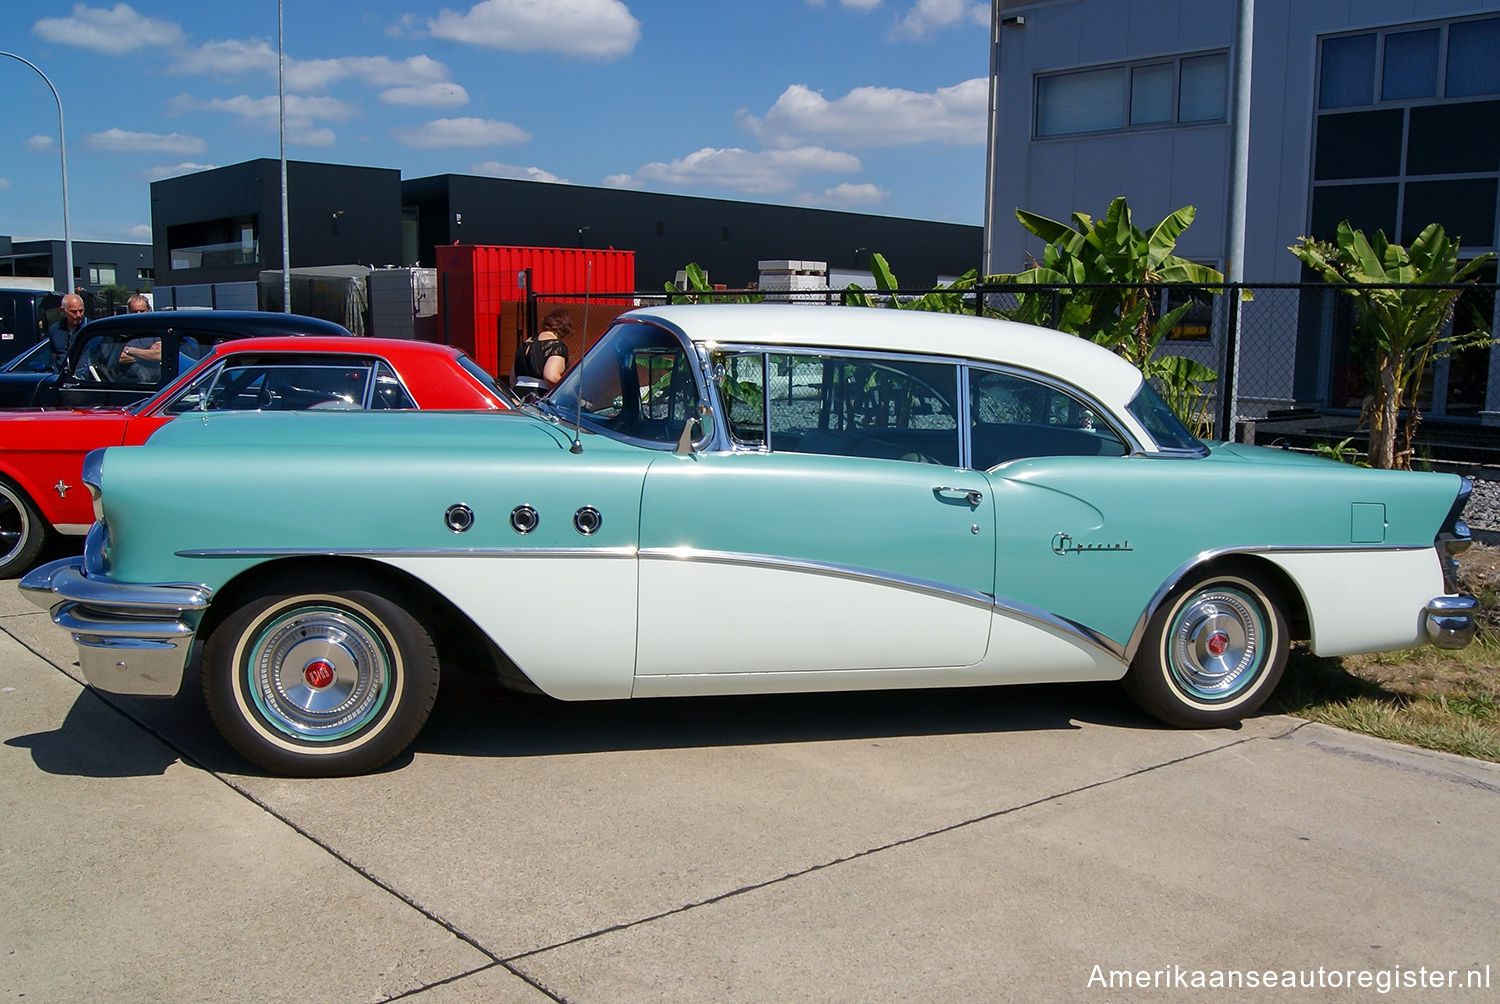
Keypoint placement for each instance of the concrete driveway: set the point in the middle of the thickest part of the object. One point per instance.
(1036, 843)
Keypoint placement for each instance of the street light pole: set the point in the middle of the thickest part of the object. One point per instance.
(286, 242)
(62, 147)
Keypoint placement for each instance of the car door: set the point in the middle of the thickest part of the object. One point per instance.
(849, 547)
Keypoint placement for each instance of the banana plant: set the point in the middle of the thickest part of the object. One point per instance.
(1404, 320)
(949, 299)
(1103, 278)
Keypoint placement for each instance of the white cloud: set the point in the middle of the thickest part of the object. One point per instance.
(595, 29)
(750, 172)
(4, 184)
(228, 58)
(41, 144)
(495, 169)
(379, 71)
(849, 196)
(928, 16)
(236, 57)
(301, 110)
(853, 4)
(141, 231)
(114, 29)
(443, 95)
(123, 141)
(307, 136)
(161, 171)
(876, 116)
(460, 132)
(621, 181)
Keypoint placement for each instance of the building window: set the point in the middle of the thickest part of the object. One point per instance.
(1155, 93)
(101, 274)
(1418, 149)
(1405, 62)
(223, 243)
(145, 274)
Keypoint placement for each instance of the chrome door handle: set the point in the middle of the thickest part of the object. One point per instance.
(974, 496)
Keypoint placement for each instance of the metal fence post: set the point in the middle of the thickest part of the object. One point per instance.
(1228, 393)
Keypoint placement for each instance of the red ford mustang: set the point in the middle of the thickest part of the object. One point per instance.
(41, 452)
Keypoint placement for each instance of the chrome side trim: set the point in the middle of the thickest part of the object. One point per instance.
(1203, 557)
(408, 552)
(1450, 622)
(72, 529)
(971, 597)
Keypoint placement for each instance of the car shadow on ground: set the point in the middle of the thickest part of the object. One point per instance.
(105, 735)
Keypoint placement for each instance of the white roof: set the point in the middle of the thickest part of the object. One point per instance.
(1072, 359)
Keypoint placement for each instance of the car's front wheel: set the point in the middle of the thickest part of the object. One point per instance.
(23, 531)
(1212, 652)
(319, 675)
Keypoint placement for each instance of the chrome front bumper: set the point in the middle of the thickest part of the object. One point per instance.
(132, 639)
(1450, 621)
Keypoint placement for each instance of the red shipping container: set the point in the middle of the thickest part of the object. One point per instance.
(482, 290)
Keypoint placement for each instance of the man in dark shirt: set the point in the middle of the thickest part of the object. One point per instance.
(65, 330)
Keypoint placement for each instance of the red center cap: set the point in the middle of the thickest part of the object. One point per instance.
(318, 674)
(1217, 643)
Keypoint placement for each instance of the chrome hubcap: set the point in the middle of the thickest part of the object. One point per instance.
(319, 673)
(12, 525)
(1215, 646)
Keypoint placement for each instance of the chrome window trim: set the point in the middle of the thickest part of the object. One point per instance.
(692, 351)
(1203, 557)
(722, 442)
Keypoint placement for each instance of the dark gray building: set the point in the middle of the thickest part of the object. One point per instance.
(224, 225)
(96, 264)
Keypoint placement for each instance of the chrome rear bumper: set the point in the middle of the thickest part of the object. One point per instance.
(132, 639)
(1450, 621)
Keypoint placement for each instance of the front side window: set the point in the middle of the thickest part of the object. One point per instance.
(639, 381)
(122, 360)
(282, 386)
(849, 406)
(1013, 417)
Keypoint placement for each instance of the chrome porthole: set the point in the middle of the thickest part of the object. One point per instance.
(458, 518)
(523, 519)
(587, 521)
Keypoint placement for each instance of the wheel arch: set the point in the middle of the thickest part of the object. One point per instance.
(1294, 608)
(461, 644)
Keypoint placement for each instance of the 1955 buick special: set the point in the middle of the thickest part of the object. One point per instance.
(742, 499)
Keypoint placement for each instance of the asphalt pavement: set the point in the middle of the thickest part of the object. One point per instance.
(1030, 843)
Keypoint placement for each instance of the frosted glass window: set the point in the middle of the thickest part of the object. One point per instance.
(1348, 73)
(1473, 58)
(1092, 101)
(1205, 86)
(1151, 94)
(1411, 65)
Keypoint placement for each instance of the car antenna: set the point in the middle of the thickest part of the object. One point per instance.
(588, 277)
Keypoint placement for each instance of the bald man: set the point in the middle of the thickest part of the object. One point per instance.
(65, 330)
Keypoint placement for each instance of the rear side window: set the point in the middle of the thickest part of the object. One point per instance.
(1014, 417)
(292, 386)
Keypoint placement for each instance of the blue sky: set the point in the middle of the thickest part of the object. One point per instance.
(867, 105)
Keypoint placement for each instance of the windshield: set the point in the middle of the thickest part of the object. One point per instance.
(1166, 428)
(639, 381)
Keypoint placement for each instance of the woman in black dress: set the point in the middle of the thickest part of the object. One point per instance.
(542, 360)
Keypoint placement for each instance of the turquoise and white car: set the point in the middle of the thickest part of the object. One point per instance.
(735, 500)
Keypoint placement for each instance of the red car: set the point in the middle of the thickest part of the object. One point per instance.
(41, 452)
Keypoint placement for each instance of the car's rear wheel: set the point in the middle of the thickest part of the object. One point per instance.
(320, 675)
(1212, 652)
(23, 531)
